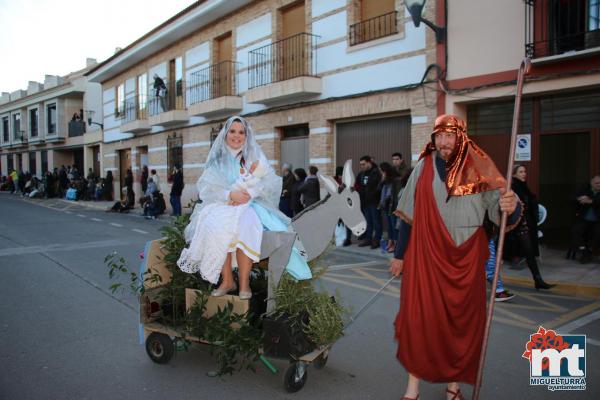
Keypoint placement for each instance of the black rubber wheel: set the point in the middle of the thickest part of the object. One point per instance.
(290, 383)
(159, 347)
(320, 362)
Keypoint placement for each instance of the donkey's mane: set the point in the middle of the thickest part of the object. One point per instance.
(312, 207)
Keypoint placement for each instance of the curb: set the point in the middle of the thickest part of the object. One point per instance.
(84, 204)
(568, 288)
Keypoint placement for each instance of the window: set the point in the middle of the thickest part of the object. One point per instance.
(175, 86)
(142, 87)
(32, 163)
(555, 27)
(51, 119)
(17, 127)
(294, 132)
(174, 154)
(376, 19)
(44, 161)
(5, 134)
(33, 122)
(120, 106)
(10, 162)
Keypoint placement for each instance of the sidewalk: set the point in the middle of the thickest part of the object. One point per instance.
(570, 277)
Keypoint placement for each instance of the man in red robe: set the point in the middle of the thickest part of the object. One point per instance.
(441, 252)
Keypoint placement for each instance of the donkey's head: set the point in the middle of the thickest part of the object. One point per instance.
(344, 200)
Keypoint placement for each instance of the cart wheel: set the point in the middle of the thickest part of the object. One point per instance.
(295, 377)
(320, 361)
(159, 347)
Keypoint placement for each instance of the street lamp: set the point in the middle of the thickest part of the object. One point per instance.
(90, 115)
(415, 8)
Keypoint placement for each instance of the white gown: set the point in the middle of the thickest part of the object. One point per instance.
(222, 228)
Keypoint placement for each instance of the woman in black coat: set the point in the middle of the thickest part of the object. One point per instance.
(295, 203)
(522, 241)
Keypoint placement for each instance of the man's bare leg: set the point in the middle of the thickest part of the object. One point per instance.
(412, 389)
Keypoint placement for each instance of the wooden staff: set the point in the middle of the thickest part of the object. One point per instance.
(523, 70)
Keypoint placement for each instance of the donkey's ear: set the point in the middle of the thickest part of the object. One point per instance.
(330, 184)
(348, 175)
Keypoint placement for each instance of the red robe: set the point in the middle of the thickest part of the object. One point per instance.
(441, 321)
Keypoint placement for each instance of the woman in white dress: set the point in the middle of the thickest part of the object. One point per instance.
(240, 194)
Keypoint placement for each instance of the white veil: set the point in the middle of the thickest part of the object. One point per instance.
(222, 169)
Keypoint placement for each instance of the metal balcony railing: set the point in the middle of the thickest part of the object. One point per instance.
(173, 98)
(374, 28)
(76, 128)
(555, 27)
(135, 108)
(213, 82)
(285, 59)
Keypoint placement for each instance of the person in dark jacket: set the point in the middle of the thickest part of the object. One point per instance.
(144, 178)
(367, 185)
(522, 240)
(129, 181)
(310, 190)
(391, 183)
(585, 233)
(295, 195)
(108, 182)
(286, 190)
(176, 190)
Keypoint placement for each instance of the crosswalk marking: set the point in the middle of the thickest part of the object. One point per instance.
(139, 231)
(117, 225)
(96, 219)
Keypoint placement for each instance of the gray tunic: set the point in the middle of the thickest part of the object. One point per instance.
(462, 215)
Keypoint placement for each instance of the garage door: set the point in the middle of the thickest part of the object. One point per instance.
(378, 138)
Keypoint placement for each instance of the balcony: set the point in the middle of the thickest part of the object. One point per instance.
(373, 28)
(135, 115)
(76, 128)
(19, 139)
(561, 29)
(284, 70)
(167, 107)
(213, 90)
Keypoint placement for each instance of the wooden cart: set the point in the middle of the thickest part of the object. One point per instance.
(160, 339)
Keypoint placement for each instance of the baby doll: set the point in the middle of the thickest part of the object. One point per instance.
(248, 179)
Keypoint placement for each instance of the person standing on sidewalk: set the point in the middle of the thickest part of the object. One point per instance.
(368, 188)
(176, 190)
(523, 239)
(441, 250)
(144, 179)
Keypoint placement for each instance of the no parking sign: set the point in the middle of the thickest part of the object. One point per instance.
(523, 149)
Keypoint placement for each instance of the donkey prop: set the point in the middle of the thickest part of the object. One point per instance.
(314, 227)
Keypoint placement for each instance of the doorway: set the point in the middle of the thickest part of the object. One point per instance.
(292, 53)
(124, 165)
(561, 174)
(295, 146)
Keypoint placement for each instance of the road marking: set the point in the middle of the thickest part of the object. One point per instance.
(578, 323)
(117, 225)
(340, 267)
(139, 231)
(358, 286)
(15, 251)
(570, 316)
(68, 212)
(81, 215)
(376, 280)
(96, 219)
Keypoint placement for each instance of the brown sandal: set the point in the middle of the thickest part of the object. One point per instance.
(455, 395)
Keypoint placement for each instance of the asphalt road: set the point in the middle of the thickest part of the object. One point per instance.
(64, 335)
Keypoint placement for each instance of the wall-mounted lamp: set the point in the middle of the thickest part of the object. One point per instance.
(90, 115)
(415, 8)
